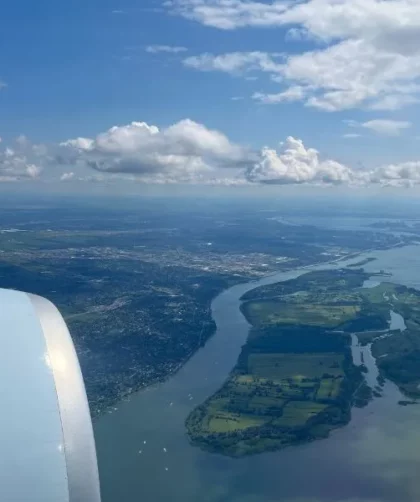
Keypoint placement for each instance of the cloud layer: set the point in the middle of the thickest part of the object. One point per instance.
(297, 164)
(368, 52)
(189, 152)
(181, 152)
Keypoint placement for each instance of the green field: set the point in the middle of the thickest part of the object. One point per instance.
(296, 366)
(329, 388)
(297, 413)
(380, 293)
(309, 314)
(274, 400)
(225, 422)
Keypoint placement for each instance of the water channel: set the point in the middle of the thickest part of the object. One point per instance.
(145, 455)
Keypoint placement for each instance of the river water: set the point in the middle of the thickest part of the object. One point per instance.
(363, 354)
(144, 454)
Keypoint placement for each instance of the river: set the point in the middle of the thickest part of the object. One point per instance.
(144, 454)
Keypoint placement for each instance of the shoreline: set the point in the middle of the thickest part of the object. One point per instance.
(109, 409)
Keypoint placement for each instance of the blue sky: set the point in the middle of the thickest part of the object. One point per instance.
(75, 69)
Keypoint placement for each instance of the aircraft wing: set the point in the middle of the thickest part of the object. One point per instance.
(47, 448)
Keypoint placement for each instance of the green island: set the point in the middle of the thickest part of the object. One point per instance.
(295, 380)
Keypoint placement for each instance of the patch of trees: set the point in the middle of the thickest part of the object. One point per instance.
(402, 369)
(366, 323)
(294, 339)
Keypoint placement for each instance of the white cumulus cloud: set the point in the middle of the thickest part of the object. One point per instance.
(183, 151)
(234, 62)
(189, 152)
(326, 19)
(19, 163)
(229, 14)
(297, 164)
(406, 174)
(67, 176)
(369, 54)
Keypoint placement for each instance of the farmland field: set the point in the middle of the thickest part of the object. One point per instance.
(309, 314)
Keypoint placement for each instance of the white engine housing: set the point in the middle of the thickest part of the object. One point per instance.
(47, 447)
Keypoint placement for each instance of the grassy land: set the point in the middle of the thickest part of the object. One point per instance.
(295, 380)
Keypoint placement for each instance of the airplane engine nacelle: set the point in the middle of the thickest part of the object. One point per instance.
(47, 448)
